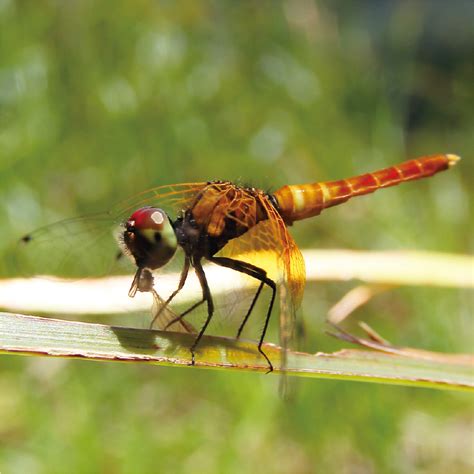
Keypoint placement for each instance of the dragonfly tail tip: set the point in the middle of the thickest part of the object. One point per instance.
(452, 159)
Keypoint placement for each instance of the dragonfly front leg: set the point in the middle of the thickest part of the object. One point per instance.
(182, 281)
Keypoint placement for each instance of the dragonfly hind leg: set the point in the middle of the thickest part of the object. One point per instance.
(254, 301)
(261, 275)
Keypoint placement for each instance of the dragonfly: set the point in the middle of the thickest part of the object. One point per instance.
(244, 229)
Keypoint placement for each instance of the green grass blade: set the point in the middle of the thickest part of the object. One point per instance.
(30, 335)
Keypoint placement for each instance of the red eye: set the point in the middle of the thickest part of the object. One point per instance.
(148, 218)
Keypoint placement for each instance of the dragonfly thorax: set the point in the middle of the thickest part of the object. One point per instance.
(193, 238)
(149, 238)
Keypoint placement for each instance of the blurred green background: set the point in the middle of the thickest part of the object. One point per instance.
(99, 100)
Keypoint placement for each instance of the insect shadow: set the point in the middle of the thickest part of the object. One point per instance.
(153, 345)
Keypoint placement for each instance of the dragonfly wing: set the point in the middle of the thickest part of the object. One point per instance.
(269, 246)
(166, 316)
(173, 199)
(78, 248)
(293, 276)
(88, 246)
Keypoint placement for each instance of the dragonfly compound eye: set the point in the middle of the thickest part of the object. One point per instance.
(150, 237)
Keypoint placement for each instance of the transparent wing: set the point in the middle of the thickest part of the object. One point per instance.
(87, 246)
(173, 198)
(77, 248)
(167, 315)
(268, 245)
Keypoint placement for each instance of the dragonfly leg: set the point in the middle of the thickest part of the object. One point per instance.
(206, 296)
(254, 301)
(258, 274)
(182, 281)
(182, 315)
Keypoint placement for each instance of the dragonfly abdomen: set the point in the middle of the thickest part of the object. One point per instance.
(296, 202)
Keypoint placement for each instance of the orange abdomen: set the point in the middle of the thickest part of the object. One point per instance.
(298, 202)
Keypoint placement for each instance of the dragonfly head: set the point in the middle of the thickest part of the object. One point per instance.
(149, 238)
